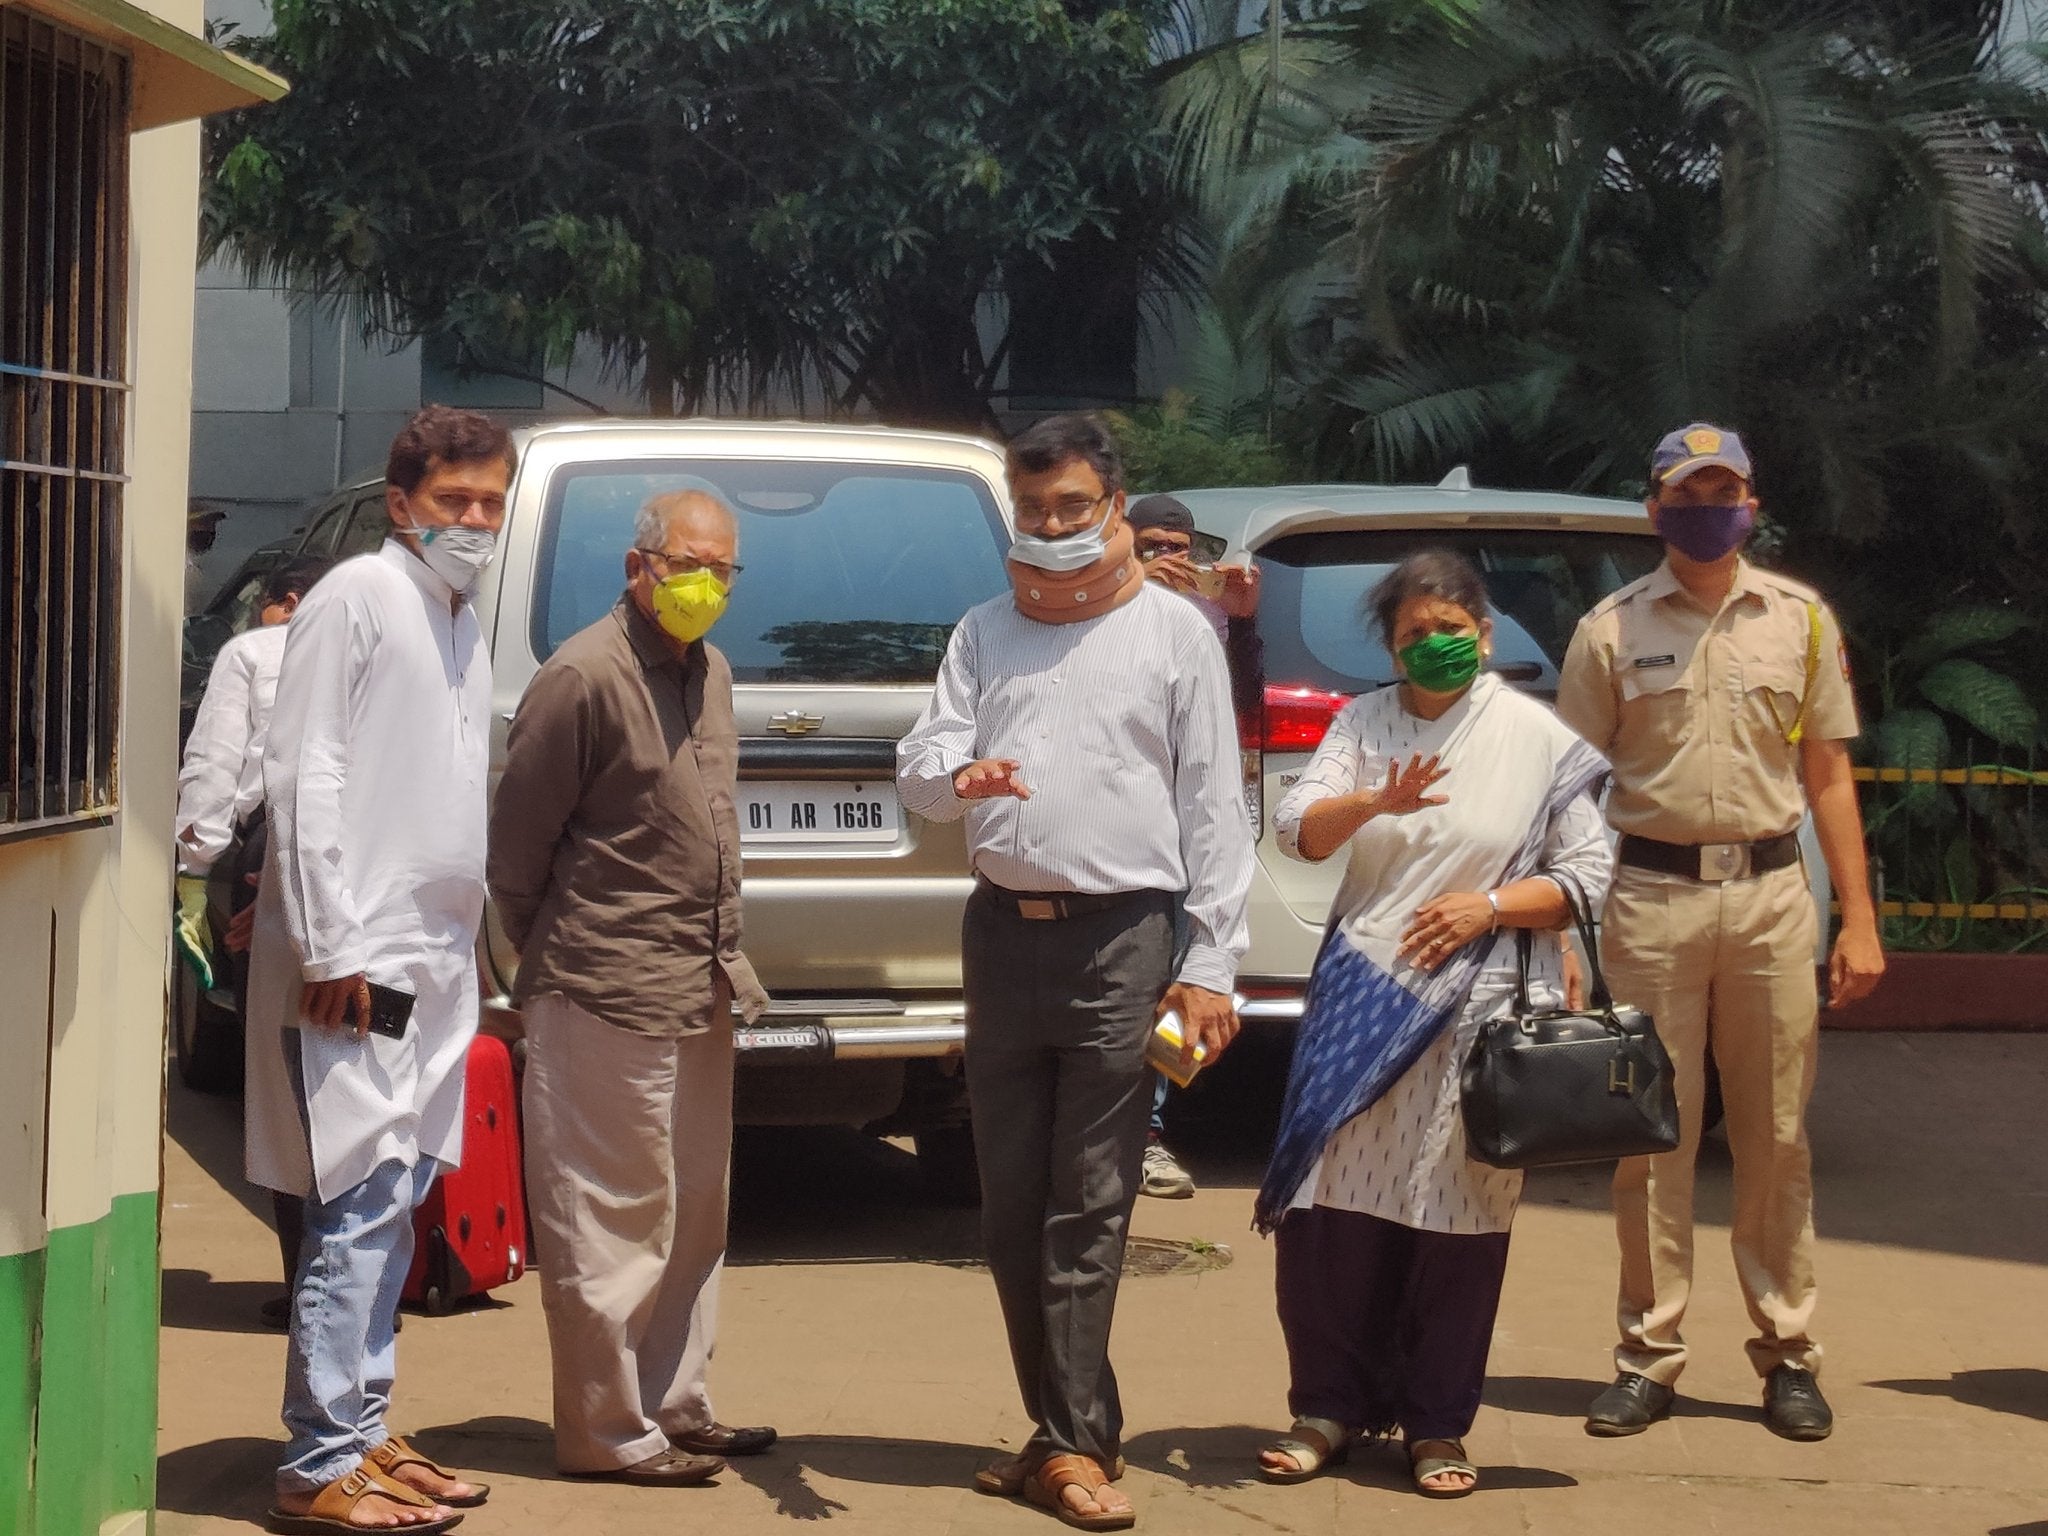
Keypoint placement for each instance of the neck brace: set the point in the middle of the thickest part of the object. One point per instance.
(1068, 597)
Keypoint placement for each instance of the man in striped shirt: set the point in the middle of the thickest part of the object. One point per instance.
(1082, 725)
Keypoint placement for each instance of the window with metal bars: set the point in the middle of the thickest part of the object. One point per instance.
(63, 282)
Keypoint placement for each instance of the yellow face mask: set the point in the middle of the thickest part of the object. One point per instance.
(688, 604)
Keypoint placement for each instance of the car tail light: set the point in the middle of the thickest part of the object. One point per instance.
(1295, 719)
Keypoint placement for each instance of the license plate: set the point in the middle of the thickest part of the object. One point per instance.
(833, 812)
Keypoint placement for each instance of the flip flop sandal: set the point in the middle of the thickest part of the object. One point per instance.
(398, 1452)
(1058, 1473)
(1006, 1478)
(722, 1440)
(1314, 1444)
(332, 1506)
(1425, 1467)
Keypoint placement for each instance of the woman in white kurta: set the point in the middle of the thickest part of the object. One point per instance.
(1451, 800)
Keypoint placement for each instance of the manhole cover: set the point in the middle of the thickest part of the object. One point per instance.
(1165, 1256)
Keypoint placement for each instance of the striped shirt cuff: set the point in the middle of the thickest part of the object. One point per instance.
(1210, 968)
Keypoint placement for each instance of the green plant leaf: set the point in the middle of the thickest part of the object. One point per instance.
(1909, 738)
(1961, 629)
(1990, 703)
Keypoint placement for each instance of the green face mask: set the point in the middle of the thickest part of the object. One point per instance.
(1441, 663)
(688, 604)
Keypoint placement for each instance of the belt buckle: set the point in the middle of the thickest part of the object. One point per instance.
(1038, 909)
(1724, 861)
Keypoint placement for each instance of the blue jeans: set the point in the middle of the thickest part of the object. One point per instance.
(342, 1352)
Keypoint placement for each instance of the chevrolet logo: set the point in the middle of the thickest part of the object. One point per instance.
(794, 722)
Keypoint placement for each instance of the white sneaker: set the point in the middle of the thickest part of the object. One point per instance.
(1165, 1179)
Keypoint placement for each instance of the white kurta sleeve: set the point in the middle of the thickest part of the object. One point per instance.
(305, 769)
(1338, 768)
(212, 770)
(1215, 827)
(943, 740)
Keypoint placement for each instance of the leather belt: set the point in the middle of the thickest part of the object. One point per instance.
(1711, 862)
(1055, 906)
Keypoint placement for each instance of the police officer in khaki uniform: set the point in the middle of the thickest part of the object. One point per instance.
(1720, 693)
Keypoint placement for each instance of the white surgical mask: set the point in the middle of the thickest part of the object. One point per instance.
(1075, 552)
(456, 554)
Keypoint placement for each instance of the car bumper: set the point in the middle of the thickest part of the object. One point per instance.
(821, 1029)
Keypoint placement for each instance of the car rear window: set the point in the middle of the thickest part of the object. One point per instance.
(854, 573)
(1318, 633)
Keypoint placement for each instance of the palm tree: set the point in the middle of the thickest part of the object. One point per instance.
(1539, 233)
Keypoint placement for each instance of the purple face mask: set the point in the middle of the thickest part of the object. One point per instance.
(1706, 533)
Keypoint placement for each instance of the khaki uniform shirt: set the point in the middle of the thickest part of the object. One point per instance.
(1692, 707)
(615, 846)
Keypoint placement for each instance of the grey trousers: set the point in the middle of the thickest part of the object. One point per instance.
(1057, 1016)
(628, 1142)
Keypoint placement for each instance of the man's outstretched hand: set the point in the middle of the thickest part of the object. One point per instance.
(989, 778)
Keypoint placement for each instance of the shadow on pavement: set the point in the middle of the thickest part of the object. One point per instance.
(2031, 1528)
(227, 1479)
(784, 1473)
(498, 1443)
(192, 1298)
(2020, 1390)
(1568, 1397)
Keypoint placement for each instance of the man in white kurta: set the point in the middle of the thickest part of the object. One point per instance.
(375, 777)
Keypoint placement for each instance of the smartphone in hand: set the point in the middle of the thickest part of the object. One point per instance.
(390, 1011)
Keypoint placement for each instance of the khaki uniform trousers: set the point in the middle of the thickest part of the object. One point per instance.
(628, 1149)
(1727, 967)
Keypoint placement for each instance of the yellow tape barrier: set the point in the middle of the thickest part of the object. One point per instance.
(1985, 776)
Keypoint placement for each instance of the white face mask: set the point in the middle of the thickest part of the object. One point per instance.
(1074, 552)
(456, 554)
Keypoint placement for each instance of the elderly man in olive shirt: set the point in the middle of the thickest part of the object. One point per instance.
(615, 863)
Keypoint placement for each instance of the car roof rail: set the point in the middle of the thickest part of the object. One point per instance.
(1459, 479)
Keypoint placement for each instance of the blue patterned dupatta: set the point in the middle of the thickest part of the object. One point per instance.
(1361, 1028)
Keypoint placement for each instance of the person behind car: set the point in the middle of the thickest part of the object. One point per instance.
(220, 808)
(615, 865)
(1164, 529)
(1082, 725)
(1722, 694)
(1454, 797)
(375, 778)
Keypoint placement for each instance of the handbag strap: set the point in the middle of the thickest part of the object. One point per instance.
(1597, 994)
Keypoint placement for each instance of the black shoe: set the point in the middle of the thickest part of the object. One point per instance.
(720, 1440)
(664, 1469)
(1793, 1406)
(1628, 1407)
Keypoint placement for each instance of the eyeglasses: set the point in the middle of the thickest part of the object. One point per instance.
(1070, 513)
(683, 565)
(454, 505)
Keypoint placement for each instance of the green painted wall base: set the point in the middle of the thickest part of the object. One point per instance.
(78, 1324)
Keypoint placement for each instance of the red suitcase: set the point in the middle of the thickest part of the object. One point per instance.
(469, 1235)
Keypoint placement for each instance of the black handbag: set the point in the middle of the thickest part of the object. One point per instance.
(1564, 1086)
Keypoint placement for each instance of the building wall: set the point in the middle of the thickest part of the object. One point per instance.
(84, 942)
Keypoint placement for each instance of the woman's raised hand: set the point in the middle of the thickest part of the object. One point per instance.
(1407, 789)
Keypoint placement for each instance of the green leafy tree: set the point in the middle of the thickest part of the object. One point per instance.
(1536, 234)
(809, 198)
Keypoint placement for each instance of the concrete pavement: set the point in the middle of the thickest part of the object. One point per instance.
(857, 1322)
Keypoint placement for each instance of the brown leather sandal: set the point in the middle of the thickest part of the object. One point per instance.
(398, 1452)
(332, 1506)
(1056, 1474)
(1006, 1478)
